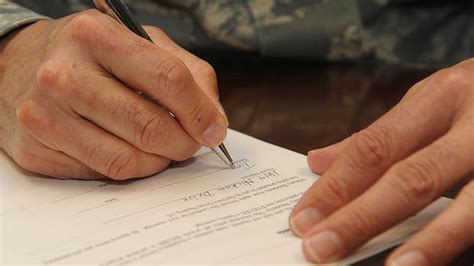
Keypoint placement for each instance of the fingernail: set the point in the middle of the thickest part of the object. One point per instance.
(304, 220)
(214, 135)
(323, 247)
(409, 259)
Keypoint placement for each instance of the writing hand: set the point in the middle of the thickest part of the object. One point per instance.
(69, 110)
(388, 172)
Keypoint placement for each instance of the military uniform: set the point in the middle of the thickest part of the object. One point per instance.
(428, 32)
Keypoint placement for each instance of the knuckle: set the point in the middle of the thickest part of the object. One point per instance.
(149, 131)
(121, 165)
(90, 156)
(374, 146)
(335, 191)
(48, 75)
(54, 77)
(172, 78)
(118, 165)
(26, 159)
(85, 27)
(31, 117)
(150, 134)
(449, 80)
(417, 180)
(208, 71)
(447, 74)
(26, 114)
(362, 223)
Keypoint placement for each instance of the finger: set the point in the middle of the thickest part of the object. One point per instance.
(321, 160)
(83, 141)
(167, 79)
(129, 116)
(33, 156)
(408, 186)
(443, 239)
(203, 72)
(152, 70)
(59, 165)
(368, 155)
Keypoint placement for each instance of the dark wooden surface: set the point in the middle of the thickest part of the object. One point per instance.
(302, 106)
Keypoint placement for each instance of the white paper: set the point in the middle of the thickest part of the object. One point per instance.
(197, 212)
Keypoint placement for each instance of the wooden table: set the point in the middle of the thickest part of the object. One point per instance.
(301, 106)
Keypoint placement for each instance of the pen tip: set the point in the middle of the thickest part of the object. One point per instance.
(232, 165)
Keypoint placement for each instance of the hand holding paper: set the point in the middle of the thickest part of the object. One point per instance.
(386, 173)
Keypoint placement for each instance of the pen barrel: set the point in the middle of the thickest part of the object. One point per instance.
(118, 10)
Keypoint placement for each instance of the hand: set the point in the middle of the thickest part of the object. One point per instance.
(69, 110)
(388, 172)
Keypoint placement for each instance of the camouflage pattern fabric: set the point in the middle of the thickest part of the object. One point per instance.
(423, 32)
(13, 16)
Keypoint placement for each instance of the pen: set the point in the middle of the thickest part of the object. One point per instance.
(120, 12)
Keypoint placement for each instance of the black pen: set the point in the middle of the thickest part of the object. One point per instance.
(120, 12)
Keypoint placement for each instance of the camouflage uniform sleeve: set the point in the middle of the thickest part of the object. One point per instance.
(13, 16)
(415, 32)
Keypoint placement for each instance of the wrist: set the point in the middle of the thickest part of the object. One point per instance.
(17, 48)
(15, 39)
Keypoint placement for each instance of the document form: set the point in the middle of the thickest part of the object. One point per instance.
(197, 212)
